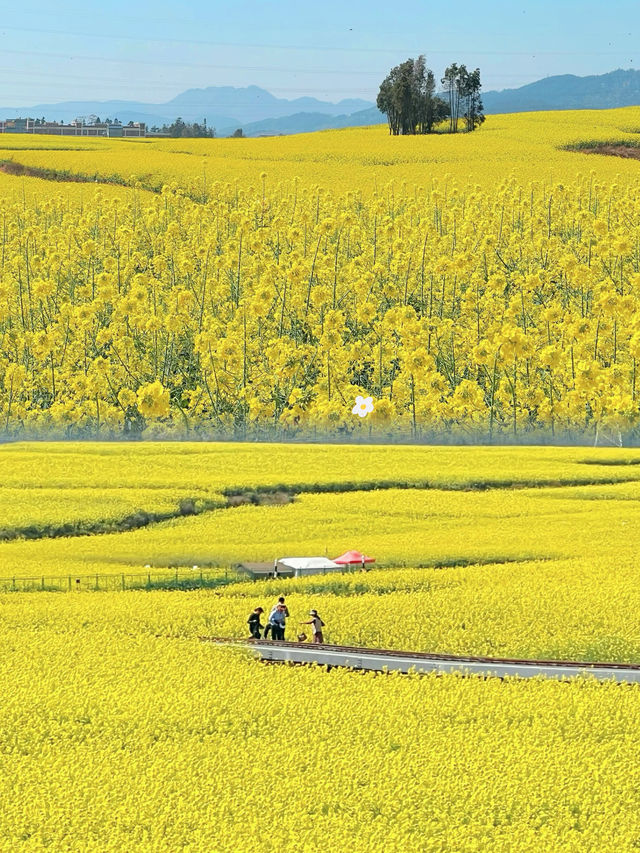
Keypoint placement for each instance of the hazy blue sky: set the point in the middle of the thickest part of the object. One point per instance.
(151, 50)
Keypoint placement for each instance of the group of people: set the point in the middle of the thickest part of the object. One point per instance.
(277, 623)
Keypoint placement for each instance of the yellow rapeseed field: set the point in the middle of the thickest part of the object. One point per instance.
(514, 551)
(237, 465)
(480, 283)
(51, 506)
(121, 730)
(524, 146)
(483, 284)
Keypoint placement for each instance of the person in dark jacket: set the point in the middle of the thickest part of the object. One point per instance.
(254, 623)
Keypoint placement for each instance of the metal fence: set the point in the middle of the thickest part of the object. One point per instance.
(168, 579)
(176, 578)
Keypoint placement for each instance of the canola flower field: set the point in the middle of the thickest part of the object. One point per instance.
(120, 729)
(483, 283)
(130, 741)
(521, 552)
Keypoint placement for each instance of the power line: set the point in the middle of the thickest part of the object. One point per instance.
(203, 65)
(216, 67)
(314, 48)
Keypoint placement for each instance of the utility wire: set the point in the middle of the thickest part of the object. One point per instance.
(313, 47)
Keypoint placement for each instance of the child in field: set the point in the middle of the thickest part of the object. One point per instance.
(318, 625)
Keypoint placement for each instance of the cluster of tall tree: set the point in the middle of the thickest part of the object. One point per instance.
(409, 99)
(462, 90)
(180, 128)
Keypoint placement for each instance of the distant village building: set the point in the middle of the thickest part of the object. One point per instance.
(83, 126)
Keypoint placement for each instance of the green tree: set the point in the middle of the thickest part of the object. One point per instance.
(472, 102)
(180, 128)
(177, 127)
(386, 105)
(451, 88)
(407, 97)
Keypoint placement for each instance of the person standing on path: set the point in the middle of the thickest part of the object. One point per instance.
(278, 621)
(254, 623)
(318, 625)
(270, 623)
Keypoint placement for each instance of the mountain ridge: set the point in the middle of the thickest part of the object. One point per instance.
(259, 112)
(619, 88)
(222, 106)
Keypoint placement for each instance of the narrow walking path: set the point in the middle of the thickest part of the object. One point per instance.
(423, 662)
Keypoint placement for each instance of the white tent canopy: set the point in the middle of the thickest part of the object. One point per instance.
(307, 566)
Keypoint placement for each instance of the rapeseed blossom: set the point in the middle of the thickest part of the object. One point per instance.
(505, 302)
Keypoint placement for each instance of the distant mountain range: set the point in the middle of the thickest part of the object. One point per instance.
(259, 113)
(226, 108)
(568, 92)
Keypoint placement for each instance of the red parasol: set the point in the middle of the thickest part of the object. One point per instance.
(350, 558)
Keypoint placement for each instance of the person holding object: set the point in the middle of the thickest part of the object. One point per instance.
(318, 625)
(269, 627)
(254, 623)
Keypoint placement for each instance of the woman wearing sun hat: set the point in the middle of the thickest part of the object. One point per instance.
(318, 625)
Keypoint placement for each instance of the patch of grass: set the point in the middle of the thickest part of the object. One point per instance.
(11, 167)
(147, 181)
(185, 584)
(43, 148)
(611, 462)
(285, 494)
(260, 497)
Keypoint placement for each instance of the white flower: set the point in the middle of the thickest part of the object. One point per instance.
(363, 406)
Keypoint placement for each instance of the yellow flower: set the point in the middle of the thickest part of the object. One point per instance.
(153, 400)
(127, 397)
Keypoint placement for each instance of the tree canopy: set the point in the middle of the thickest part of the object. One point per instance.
(180, 128)
(408, 98)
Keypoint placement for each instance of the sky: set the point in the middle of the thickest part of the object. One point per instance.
(151, 50)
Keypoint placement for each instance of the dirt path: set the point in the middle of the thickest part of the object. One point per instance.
(10, 167)
(629, 152)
